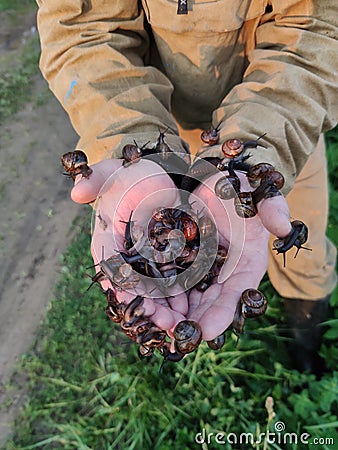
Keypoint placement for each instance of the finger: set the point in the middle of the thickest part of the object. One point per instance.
(86, 190)
(179, 303)
(275, 215)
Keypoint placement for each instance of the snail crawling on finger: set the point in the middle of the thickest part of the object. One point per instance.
(76, 163)
(252, 304)
(296, 238)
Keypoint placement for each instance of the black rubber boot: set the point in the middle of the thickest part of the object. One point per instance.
(304, 318)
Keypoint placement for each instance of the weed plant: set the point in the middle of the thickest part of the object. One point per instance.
(88, 389)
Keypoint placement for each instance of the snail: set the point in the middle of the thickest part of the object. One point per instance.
(211, 136)
(266, 189)
(153, 337)
(233, 147)
(224, 189)
(190, 228)
(134, 310)
(259, 171)
(252, 304)
(276, 178)
(161, 147)
(145, 351)
(188, 335)
(217, 343)
(244, 205)
(198, 171)
(76, 163)
(207, 227)
(128, 241)
(115, 309)
(297, 237)
(131, 153)
(136, 329)
(168, 356)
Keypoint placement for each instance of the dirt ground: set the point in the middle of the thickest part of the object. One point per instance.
(36, 214)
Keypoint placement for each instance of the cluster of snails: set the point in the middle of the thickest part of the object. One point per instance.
(263, 177)
(131, 153)
(179, 245)
(176, 240)
(144, 332)
(187, 333)
(229, 187)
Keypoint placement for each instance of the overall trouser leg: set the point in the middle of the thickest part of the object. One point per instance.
(310, 276)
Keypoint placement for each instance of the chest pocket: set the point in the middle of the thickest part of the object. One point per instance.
(203, 15)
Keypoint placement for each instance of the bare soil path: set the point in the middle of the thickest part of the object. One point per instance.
(35, 222)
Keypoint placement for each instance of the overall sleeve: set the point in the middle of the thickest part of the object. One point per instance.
(93, 55)
(289, 89)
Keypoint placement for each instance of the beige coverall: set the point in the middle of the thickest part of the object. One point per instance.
(122, 69)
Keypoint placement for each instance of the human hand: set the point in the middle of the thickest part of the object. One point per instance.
(119, 191)
(247, 261)
(142, 187)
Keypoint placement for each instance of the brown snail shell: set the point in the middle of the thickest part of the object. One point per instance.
(210, 137)
(115, 309)
(254, 303)
(76, 163)
(232, 148)
(259, 171)
(207, 227)
(153, 337)
(134, 310)
(131, 153)
(188, 335)
(276, 178)
(302, 231)
(224, 189)
(244, 205)
(145, 351)
(217, 343)
(190, 228)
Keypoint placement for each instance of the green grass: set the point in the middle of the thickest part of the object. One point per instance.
(15, 5)
(89, 390)
(16, 73)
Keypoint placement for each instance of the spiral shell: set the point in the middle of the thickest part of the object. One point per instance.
(276, 178)
(224, 189)
(302, 231)
(190, 228)
(188, 335)
(244, 205)
(259, 171)
(131, 153)
(217, 343)
(210, 137)
(207, 227)
(232, 148)
(254, 303)
(76, 163)
(153, 337)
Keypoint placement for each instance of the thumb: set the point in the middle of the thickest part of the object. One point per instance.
(86, 190)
